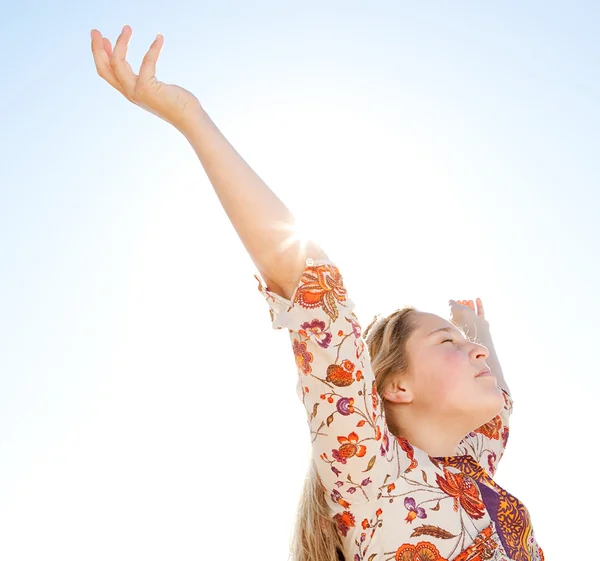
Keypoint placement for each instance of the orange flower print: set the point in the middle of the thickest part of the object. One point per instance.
(321, 286)
(303, 357)
(423, 551)
(349, 448)
(348, 365)
(464, 491)
(492, 428)
(340, 376)
(344, 522)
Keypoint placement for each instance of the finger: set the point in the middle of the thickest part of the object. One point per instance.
(107, 46)
(102, 59)
(148, 67)
(480, 310)
(119, 64)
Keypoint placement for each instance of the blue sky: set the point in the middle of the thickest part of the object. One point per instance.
(438, 151)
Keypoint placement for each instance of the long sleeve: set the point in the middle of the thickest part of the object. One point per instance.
(350, 439)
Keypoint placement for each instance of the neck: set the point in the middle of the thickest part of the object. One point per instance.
(436, 437)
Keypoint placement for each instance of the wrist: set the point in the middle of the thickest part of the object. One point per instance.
(484, 336)
(192, 123)
(478, 332)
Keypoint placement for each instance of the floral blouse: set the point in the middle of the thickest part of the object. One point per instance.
(389, 499)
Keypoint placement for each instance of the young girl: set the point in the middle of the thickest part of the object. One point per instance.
(408, 419)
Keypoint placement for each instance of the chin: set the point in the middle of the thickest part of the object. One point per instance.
(488, 406)
(496, 402)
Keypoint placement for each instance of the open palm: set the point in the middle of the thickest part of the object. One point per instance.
(469, 316)
(172, 103)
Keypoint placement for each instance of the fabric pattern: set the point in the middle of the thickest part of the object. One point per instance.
(389, 499)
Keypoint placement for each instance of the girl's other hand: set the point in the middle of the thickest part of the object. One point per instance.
(469, 316)
(175, 105)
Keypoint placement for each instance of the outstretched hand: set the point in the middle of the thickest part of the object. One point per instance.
(169, 102)
(469, 316)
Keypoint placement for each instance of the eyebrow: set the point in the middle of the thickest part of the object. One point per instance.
(448, 329)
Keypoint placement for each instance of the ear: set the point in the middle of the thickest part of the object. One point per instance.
(398, 390)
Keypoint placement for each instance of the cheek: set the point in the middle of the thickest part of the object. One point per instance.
(444, 377)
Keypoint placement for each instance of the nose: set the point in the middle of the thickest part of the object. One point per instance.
(479, 351)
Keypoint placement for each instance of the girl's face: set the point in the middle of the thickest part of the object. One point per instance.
(444, 379)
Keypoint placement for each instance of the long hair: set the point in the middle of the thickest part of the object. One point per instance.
(315, 535)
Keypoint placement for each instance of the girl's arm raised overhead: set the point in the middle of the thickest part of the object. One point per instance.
(262, 221)
(486, 443)
(352, 448)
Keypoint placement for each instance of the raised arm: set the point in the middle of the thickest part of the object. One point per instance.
(263, 223)
(470, 317)
(352, 448)
(487, 443)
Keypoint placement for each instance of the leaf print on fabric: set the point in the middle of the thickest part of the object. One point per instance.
(435, 531)
(410, 452)
(423, 551)
(491, 429)
(371, 463)
(321, 286)
(464, 491)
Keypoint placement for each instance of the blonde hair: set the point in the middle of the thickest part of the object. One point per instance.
(315, 535)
